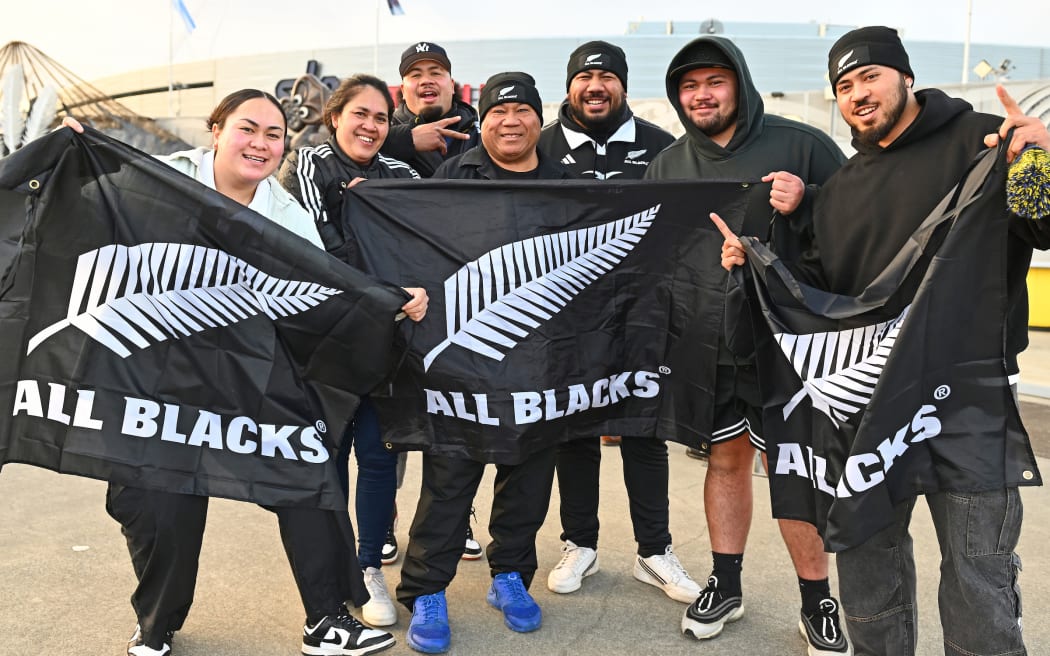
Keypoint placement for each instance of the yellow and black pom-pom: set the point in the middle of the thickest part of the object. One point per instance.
(1028, 184)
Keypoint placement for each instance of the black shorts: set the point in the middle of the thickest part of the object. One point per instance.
(738, 405)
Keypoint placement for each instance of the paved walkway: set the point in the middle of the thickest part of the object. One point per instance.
(65, 576)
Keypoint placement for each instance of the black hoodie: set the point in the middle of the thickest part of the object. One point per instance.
(869, 209)
(761, 144)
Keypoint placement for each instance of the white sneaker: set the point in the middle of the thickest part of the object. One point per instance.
(137, 648)
(576, 563)
(665, 572)
(379, 611)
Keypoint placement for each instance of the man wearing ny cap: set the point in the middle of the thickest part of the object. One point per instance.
(912, 149)
(597, 136)
(431, 124)
(729, 136)
(511, 117)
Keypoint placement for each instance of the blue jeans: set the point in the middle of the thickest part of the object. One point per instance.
(979, 599)
(376, 482)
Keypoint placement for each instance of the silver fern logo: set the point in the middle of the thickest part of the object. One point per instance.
(839, 370)
(494, 301)
(138, 296)
(842, 61)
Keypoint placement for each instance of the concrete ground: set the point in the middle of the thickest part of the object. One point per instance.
(65, 576)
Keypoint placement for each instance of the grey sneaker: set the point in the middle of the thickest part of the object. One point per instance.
(379, 610)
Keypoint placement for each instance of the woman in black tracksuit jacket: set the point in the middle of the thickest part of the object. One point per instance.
(358, 116)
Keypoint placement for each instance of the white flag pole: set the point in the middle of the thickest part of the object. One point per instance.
(171, 55)
(966, 43)
(375, 45)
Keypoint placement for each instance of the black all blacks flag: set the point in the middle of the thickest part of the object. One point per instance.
(903, 390)
(158, 334)
(558, 310)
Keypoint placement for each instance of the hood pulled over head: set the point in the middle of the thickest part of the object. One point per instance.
(717, 52)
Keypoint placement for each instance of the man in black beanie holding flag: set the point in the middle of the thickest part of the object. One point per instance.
(511, 116)
(913, 147)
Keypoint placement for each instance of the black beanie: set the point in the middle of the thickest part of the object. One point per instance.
(597, 54)
(509, 87)
(864, 46)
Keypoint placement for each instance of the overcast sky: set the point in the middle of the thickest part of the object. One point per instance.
(90, 39)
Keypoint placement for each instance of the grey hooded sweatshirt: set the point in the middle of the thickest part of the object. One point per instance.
(761, 144)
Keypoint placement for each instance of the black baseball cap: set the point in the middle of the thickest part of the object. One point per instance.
(419, 52)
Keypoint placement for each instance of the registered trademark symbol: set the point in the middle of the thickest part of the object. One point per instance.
(942, 392)
(665, 370)
(321, 428)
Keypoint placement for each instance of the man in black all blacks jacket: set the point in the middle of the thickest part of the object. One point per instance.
(511, 116)
(597, 136)
(431, 124)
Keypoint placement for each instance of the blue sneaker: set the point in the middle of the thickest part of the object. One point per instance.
(520, 612)
(428, 631)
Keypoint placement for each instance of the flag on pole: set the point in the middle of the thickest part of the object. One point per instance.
(395, 8)
(184, 13)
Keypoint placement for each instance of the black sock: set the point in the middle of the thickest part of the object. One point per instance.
(813, 592)
(727, 571)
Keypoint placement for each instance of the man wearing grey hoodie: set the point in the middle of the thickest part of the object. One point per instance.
(729, 136)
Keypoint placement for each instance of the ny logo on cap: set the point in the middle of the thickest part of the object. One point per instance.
(422, 47)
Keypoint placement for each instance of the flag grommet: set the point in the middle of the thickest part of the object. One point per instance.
(1027, 475)
(34, 184)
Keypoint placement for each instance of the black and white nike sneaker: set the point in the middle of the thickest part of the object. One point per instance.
(343, 635)
(136, 647)
(711, 611)
(821, 629)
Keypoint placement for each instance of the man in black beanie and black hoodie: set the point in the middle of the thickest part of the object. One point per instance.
(595, 134)
(729, 136)
(511, 116)
(912, 149)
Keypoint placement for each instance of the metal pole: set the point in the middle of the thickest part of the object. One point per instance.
(966, 43)
(375, 45)
(171, 56)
